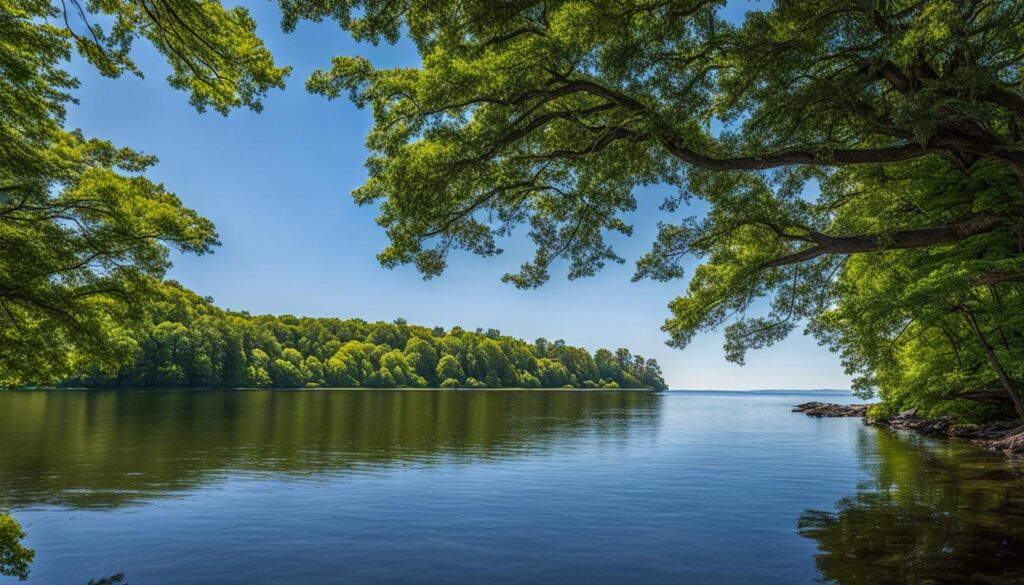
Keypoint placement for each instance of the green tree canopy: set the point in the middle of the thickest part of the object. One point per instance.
(190, 342)
(83, 232)
(449, 368)
(15, 559)
(862, 162)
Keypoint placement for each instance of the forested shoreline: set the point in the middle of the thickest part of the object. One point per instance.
(189, 342)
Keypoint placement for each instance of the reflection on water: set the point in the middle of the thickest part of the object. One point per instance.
(99, 449)
(931, 512)
(497, 487)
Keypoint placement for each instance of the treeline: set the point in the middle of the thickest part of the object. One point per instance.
(193, 343)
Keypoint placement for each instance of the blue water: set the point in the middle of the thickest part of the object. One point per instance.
(471, 487)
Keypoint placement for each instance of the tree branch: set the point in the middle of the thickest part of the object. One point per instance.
(961, 229)
(841, 157)
(992, 278)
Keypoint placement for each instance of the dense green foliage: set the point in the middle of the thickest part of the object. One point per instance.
(863, 164)
(192, 343)
(83, 232)
(15, 559)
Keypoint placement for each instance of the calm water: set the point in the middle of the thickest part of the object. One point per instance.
(493, 487)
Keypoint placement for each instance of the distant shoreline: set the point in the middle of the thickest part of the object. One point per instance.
(772, 391)
(300, 389)
(827, 391)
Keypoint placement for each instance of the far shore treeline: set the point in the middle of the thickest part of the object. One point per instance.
(190, 342)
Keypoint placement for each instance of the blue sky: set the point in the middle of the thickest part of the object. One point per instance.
(277, 186)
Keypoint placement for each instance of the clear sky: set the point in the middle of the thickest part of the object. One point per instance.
(277, 186)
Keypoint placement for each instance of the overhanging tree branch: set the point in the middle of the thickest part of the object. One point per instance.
(839, 157)
(992, 278)
(966, 227)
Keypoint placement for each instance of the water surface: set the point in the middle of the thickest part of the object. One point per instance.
(494, 487)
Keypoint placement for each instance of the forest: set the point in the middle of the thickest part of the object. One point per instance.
(189, 342)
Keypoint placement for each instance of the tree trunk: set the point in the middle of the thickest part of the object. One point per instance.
(993, 360)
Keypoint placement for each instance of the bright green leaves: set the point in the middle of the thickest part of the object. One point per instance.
(491, 133)
(77, 263)
(815, 131)
(214, 53)
(449, 368)
(189, 342)
(900, 319)
(84, 235)
(15, 559)
(347, 75)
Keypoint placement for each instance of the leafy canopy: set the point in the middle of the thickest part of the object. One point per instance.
(83, 232)
(189, 342)
(15, 559)
(862, 162)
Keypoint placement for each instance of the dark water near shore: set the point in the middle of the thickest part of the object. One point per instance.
(494, 487)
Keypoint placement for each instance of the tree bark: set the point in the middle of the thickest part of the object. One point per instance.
(966, 227)
(993, 278)
(993, 359)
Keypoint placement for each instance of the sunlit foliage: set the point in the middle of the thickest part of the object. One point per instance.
(15, 559)
(862, 162)
(82, 230)
(192, 343)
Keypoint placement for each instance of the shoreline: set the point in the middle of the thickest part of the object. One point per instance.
(303, 389)
(1005, 437)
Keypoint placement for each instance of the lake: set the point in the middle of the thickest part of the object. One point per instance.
(367, 486)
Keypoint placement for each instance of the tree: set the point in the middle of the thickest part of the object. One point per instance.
(552, 374)
(396, 370)
(826, 137)
(580, 362)
(493, 366)
(391, 334)
(423, 356)
(83, 232)
(286, 374)
(449, 368)
(15, 559)
(258, 370)
(313, 371)
(351, 365)
(528, 380)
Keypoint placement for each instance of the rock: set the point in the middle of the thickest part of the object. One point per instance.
(831, 410)
(908, 420)
(1012, 446)
(967, 432)
(1006, 437)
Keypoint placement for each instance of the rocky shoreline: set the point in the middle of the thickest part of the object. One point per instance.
(832, 410)
(1006, 437)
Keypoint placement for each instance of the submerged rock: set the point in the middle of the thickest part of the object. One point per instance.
(1006, 437)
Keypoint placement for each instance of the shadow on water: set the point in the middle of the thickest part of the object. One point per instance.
(932, 512)
(104, 449)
